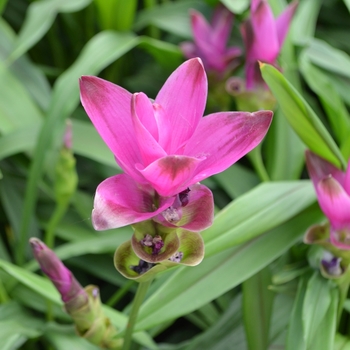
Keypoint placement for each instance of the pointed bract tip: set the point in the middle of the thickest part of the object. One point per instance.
(37, 245)
(263, 114)
(261, 64)
(193, 63)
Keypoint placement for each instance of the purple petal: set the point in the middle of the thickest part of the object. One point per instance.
(340, 238)
(198, 214)
(182, 100)
(265, 45)
(109, 108)
(334, 202)
(146, 130)
(254, 5)
(120, 201)
(248, 39)
(223, 138)
(172, 174)
(283, 22)
(319, 169)
(200, 28)
(188, 49)
(221, 27)
(346, 183)
(143, 107)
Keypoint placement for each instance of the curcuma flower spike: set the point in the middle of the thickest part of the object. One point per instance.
(263, 37)
(165, 147)
(333, 192)
(210, 40)
(83, 305)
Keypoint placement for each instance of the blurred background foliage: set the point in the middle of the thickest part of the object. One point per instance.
(257, 277)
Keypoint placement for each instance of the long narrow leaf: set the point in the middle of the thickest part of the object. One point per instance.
(301, 117)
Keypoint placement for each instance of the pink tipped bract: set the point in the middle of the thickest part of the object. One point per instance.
(210, 40)
(333, 192)
(263, 37)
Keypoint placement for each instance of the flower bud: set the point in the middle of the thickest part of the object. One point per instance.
(83, 305)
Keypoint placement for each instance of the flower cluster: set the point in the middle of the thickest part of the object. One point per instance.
(165, 148)
(263, 37)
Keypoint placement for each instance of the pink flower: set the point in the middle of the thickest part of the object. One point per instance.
(210, 40)
(263, 37)
(164, 146)
(333, 193)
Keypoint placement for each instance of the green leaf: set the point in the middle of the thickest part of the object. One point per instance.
(325, 335)
(30, 76)
(304, 21)
(341, 342)
(316, 303)
(17, 325)
(63, 337)
(257, 308)
(236, 180)
(21, 139)
(168, 55)
(38, 284)
(40, 16)
(295, 335)
(301, 117)
(265, 207)
(116, 14)
(335, 108)
(17, 109)
(328, 57)
(2, 5)
(284, 150)
(347, 4)
(220, 272)
(84, 134)
(170, 16)
(236, 6)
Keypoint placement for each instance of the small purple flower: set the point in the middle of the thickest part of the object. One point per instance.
(210, 40)
(331, 264)
(263, 37)
(333, 192)
(165, 147)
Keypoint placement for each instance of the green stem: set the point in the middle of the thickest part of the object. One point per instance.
(343, 292)
(140, 295)
(258, 164)
(56, 217)
(3, 294)
(119, 293)
(152, 31)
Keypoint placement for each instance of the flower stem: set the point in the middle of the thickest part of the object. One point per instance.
(3, 294)
(60, 210)
(120, 293)
(140, 295)
(258, 164)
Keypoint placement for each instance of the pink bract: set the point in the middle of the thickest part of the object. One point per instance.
(263, 37)
(210, 40)
(333, 193)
